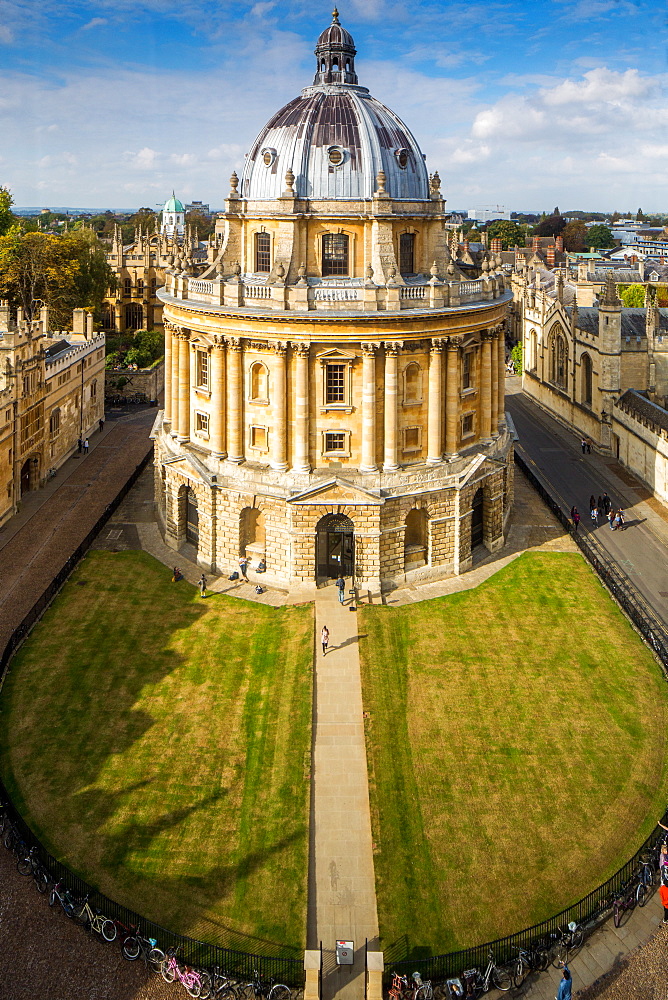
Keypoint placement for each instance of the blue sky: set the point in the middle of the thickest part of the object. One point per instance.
(526, 105)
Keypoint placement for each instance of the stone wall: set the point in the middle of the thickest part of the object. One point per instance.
(147, 381)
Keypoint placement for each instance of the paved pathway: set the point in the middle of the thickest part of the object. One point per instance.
(342, 904)
(639, 550)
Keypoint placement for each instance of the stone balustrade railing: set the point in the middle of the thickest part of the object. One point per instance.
(334, 296)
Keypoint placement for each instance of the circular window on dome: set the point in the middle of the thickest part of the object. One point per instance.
(268, 156)
(336, 155)
(402, 157)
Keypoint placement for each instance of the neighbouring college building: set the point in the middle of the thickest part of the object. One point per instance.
(334, 388)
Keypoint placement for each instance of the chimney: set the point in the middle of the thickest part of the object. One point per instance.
(560, 244)
(536, 242)
(79, 321)
(89, 326)
(551, 252)
(496, 245)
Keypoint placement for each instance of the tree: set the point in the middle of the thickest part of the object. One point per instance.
(510, 233)
(516, 357)
(639, 216)
(600, 238)
(553, 225)
(7, 218)
(632, 296)
(145, 219)
(575, 236)
(63, 272)
(204, 226)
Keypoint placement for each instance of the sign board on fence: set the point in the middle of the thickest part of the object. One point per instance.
(344, 952)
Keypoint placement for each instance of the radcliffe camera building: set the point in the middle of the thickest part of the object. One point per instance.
(335, 377)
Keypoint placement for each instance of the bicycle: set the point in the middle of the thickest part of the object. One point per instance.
(222, 986)
(628, 896)
(195, 983)
(532, 959)
(647, 868)
(64, 897)
(269, 989)
(417, 990)
(135, 945)
(566, 941)
(476, 982)
(96, 921)
(28, 863)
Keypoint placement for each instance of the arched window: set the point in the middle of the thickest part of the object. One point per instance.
(407, 253)
(134, 316)
(412, 386)
(54, 422)
(334, 254)
(140, 286)
(533, 351)
(107, 316)
(263, 252)
(415, 539)
(259, 383)
(559, 360)
(586, 380)
(127, 286)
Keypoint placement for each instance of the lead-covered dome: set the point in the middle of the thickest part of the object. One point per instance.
(335, 138)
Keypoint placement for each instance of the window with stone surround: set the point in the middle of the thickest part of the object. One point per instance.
(263, 252)
(585, 362)
(412, 383)
(202, 370)
(407, 253)
(468, 370)
(336, 444)
(558, 360)
(202, 424)
(335, 384)
(334, 254)
(467, 425)
(258, 388)
(54, 422)
(412, 439)
(258, 438)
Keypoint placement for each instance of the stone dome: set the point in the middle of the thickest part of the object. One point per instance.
(335, 138)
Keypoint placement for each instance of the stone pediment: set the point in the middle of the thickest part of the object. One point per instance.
(191, 468)
(337, 491)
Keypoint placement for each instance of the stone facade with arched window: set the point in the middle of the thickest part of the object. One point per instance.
(357, 375)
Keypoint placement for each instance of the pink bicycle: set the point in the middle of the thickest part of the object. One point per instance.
(197, 984)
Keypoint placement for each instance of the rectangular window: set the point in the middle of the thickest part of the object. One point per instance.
(467, 370)
(335, 384)
(412, 439)
(54, 423)
(8, 416)
(467, 424)
(202, 369)
(406, 247)
(335, 441)
(258, 438)
(202, 423)
(334, 254)
(93, 390)
(263, 252)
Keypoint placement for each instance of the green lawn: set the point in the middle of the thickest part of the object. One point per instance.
(516, 749)
(159, 744)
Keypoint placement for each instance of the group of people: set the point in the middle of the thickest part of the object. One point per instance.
(601, 507)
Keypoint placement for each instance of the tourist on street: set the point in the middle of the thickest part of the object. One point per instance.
(324, 638)
(575, 517)
(86, 446)
(583, 445)
(601, 508)
(611, 518)
(341, 584)
(565, 986)
(592, 503)
(588, 443)
(243, 564)
(202, 585)
(607, 504)
(101, 424)
(79, 445)
(594, 514)
(619, 519)
(663, 893)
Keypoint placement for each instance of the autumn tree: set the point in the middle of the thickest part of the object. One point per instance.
(632, 296)
(7, 219)
(575, 236)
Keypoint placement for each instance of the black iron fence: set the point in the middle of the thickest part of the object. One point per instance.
(596, 904)
(237, 964)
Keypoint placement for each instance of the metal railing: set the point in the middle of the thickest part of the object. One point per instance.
(238, 964)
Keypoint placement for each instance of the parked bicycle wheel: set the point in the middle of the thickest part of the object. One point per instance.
(423, 992)
(501, 979)
(541, 958)
(617, 910)
(42, 880)
(108, 930)
(520, 972)
(194, 990)
(641, 894)
(206, 985)
(155, 959)
(131, 949)
(168, 971)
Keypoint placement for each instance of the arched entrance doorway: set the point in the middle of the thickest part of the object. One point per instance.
(25, 476)
(192, 519)
(477, 519)
(335, 546)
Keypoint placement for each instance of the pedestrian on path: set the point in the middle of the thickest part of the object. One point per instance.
(619, 519)
(324, 639)
(588, 443)
(341, 584)
(594, 514)
(575, 517)
(101, 424)
(592, 503)
(611, 518)
(243, 564)
(202, 585)
(565, 986)
(607, 504)
(663, 893)
(583, 445)
(601, 509)
(86, 446)
(79, 445)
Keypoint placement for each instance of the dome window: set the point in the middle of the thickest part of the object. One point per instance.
(268, 157)
(402, 158)
(336, 155)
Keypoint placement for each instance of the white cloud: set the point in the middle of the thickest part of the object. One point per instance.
(96, 22)
(6, 34)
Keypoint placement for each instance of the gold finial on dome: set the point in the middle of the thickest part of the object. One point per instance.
(335, 16)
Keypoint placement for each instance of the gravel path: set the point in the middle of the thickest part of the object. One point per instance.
(45, 956)
(643, 976)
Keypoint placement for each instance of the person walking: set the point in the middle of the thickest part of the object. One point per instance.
(324, 639)
(202, 585)
(583, 445)
(575, 517)
(611, 518)
(607, 504)
(86, 446)
(621, 522)
(601, 508)
(592, 504)
(341, 585)
(243, 565)
(566, 985)
(101, 424)
(663, 893)
(79, 445)
(588, 443)
(594, 514)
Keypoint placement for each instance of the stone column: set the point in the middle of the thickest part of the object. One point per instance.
(235, 446)
(494, 351)
(486, 387)
(435, 407)
(391, 390)
(176, 350)
(452, 395)
(184, 387)
(502, 377)
(368, 462)
(218, 398)
(279, 430)
(167, 414)
(300, 459)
